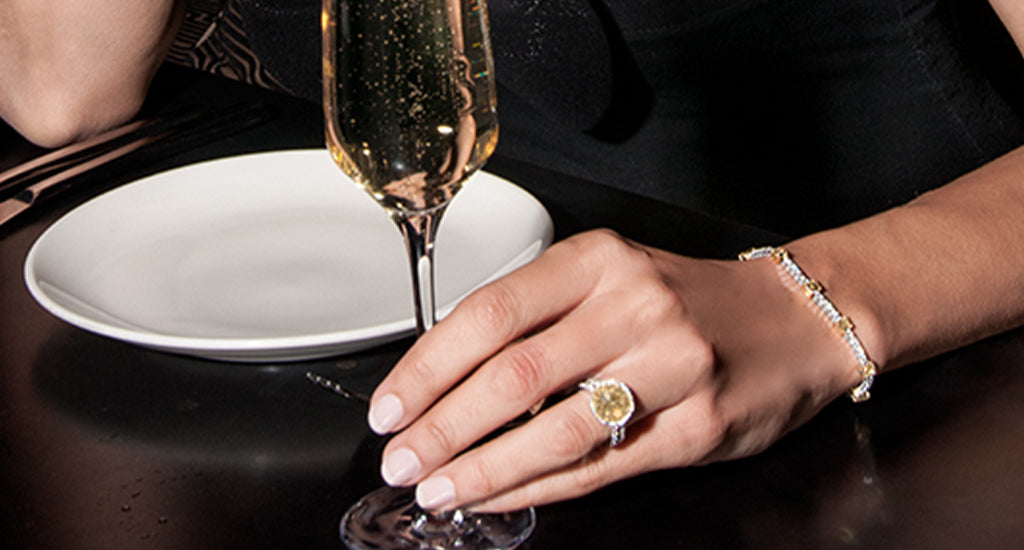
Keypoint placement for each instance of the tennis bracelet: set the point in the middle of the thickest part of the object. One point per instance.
(861, 392)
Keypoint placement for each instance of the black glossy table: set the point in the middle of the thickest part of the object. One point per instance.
(104, 445)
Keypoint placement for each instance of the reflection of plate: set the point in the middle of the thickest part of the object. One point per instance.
(266, 257)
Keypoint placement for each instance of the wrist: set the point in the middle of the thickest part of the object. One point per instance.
(822, 305)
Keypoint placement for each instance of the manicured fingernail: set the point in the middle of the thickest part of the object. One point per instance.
(400, 467)
(435, 492)
(385, 414)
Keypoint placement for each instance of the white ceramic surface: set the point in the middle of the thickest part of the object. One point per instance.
(266, 257)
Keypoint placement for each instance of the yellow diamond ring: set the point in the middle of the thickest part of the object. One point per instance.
(612, 403)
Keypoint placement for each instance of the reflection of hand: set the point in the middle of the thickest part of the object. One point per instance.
(722, 358)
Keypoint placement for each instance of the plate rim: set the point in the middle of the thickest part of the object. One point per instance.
(252, 349)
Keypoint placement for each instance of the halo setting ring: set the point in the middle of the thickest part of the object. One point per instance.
(612, 403)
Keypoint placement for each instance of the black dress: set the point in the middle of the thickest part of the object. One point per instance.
(793, 115)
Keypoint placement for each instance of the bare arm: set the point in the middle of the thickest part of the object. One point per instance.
(1011, 12)
(73, 67)
(723, 356)
(944, 270)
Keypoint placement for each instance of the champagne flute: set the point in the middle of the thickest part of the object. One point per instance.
(410, 112)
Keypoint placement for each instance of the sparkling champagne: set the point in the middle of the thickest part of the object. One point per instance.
(409, 107)
(409, 98)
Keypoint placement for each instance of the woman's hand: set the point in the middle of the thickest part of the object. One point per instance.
(722, 359)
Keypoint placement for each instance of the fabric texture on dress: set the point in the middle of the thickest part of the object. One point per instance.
(791, 115)
(213, 39)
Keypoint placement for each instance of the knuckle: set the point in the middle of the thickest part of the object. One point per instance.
(654, 303)
(591, 476)
(602, 237)
(702, 354)
(652, 309)
(712, 430)
(496, 309)
(442, 436)
(575, 436)
(717, 434)
(483, 478)
(602, 245)
(421, 372)
(708, 431)
(525, 370)
(597, 236)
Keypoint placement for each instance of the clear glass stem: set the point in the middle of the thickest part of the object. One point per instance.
(389, 517)
(419, 229)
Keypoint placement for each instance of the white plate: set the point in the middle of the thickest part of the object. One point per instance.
(266, 257)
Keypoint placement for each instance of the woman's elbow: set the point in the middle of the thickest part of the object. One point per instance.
(51, 118)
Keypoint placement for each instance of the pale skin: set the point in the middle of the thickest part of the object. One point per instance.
(723, 357)
(72, 68)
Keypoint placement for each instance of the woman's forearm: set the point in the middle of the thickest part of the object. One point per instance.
(73, 67)
(942, 271)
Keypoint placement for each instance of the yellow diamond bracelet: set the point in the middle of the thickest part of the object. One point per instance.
(814, 291)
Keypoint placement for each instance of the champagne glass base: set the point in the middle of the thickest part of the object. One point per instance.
(389, 518)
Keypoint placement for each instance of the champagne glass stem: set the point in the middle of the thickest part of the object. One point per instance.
(389, 517)
(419, 229)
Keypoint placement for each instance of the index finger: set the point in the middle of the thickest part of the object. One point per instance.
(485, 322)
